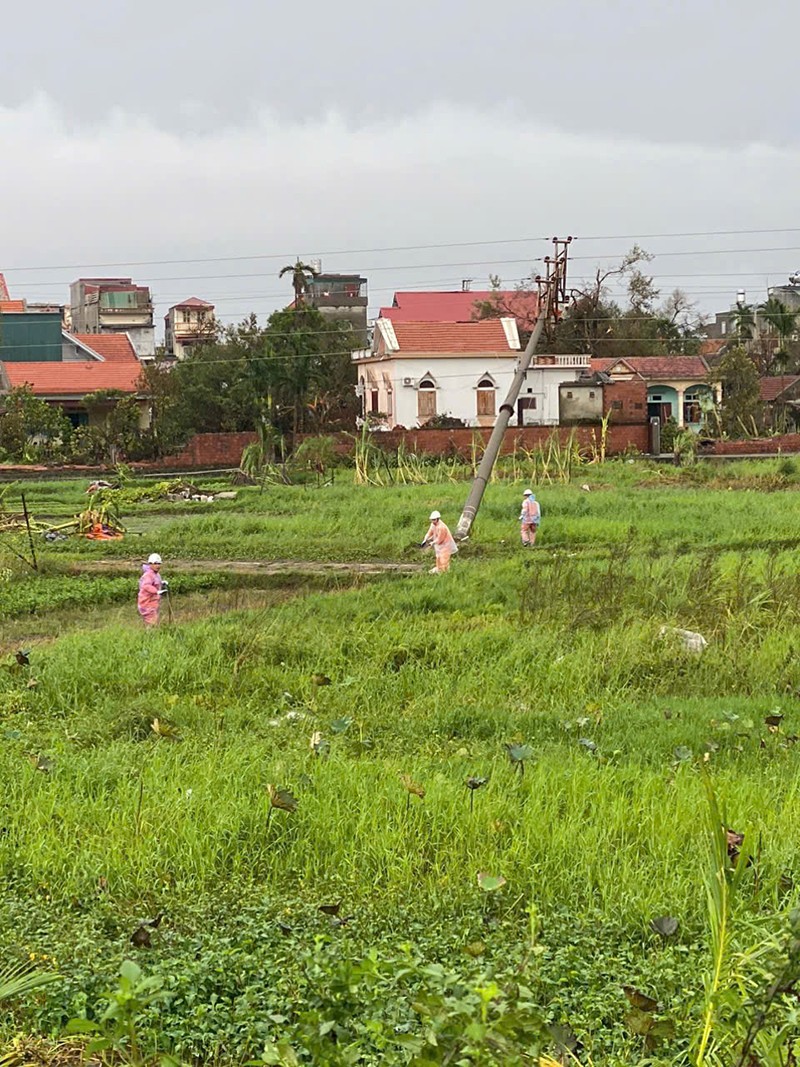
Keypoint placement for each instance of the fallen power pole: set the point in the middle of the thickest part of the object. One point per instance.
(552, 295)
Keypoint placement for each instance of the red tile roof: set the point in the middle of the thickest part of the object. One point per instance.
(12, 306)
(3, 289)
(487, 335)
(192, 302)
(111, 347)
(458, 306)
(771, 388)
(654, 367)
(712, 346)
(73, 378)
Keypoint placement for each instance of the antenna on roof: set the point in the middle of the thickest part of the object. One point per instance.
(466, 285)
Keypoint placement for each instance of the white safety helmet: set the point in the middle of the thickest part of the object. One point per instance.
(154, 558)
(435, 515)
(528, 492)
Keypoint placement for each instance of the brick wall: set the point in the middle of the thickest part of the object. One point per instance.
(627, 401)
(788, 442)
(626, 429)
(618, 439)
(208, 450)
(205, 451)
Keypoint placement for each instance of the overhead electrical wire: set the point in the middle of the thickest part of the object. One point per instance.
(403, 248)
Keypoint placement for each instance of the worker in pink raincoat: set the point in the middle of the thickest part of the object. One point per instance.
(444, 546)
(151, 588)
(530, 517)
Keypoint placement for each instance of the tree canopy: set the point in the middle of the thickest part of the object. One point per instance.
(294, 374)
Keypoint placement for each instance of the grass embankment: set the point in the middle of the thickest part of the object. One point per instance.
(601, 828)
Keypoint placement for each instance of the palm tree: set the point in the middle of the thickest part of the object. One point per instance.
(744, 323)
(302, 275)
(782, 321)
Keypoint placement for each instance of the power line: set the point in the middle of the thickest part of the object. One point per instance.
(701, 252)
(465, 264)
(696, 233)
(400, 248)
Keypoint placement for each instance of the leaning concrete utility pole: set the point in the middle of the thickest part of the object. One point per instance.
(552, 294)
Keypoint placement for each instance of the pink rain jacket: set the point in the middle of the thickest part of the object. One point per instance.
(149, 595)
(440, 537)
(531, 512)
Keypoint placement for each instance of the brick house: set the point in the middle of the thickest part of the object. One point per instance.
(781, 399)
(674, 385)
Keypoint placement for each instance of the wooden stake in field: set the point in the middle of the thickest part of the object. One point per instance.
(34, 563)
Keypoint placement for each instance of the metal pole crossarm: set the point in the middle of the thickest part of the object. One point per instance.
(552, 293)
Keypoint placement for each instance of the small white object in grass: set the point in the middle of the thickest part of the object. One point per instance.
(691, 641)
(585, 487)
(294, 716)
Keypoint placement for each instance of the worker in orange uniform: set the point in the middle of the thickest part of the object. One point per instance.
(444, 546)
(530, 518)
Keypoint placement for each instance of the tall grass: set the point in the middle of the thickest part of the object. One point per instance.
(558, 652)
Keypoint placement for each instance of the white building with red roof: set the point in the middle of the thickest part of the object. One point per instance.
(417, 371)
(187, 324)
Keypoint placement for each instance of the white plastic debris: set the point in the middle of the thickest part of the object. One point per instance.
(586, 488)
(689, 639)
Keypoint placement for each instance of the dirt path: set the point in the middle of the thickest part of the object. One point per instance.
(230, 566)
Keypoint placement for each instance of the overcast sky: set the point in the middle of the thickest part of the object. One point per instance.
(134, 133)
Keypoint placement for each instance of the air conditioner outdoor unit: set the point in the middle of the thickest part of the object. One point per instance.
(408, 381)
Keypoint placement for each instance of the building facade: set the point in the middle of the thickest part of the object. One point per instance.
(340, 298)
(188, 324)
(416, 372)
(677, 386)
(114, 305)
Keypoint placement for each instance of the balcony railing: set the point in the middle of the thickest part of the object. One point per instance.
(545, 360)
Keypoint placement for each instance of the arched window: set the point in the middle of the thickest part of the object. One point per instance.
(485, 392)
(426, 398)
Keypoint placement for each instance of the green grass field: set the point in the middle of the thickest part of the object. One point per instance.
(347, 690)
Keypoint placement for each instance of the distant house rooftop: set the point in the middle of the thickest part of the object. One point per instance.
(72, 378)
(460, 306)
(192, 302)
(772, 388)
(652, 367)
